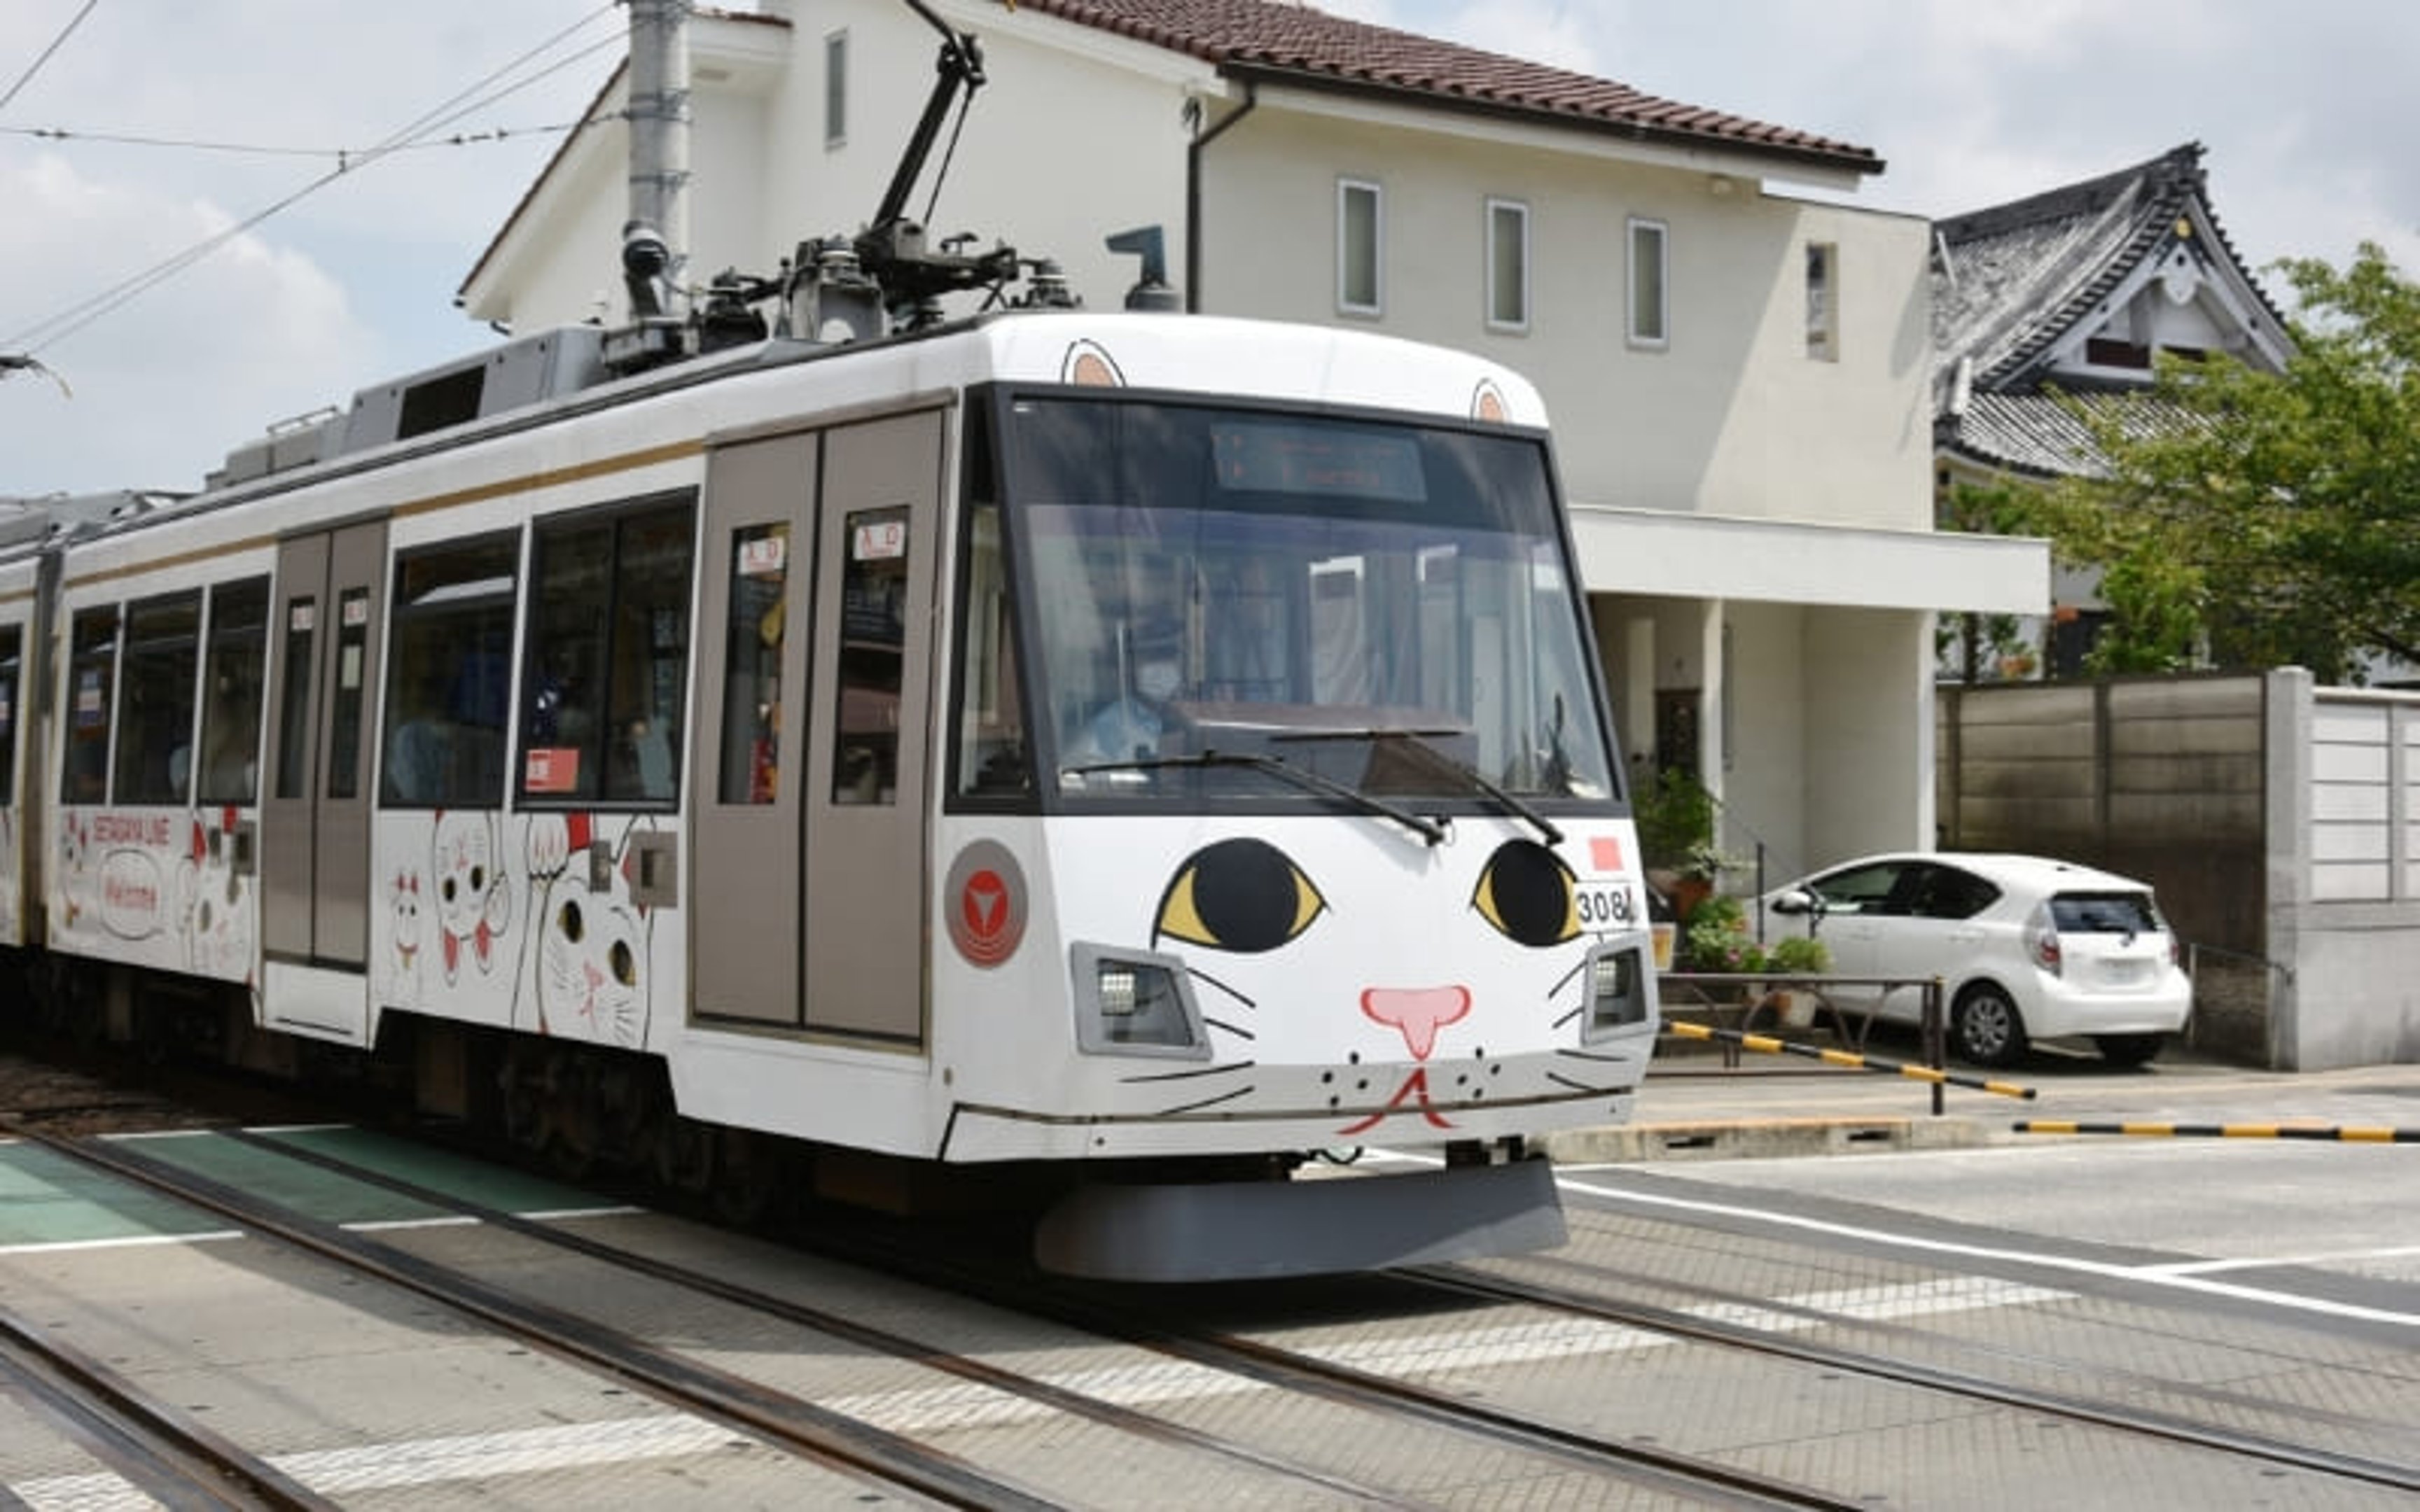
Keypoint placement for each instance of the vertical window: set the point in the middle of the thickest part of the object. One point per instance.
(13, 662)
(991, 719)
(92, 681)
(232, 673)
(607, 656)
(294, 710)
(448, 670)
(155, 716)
(1361, 247)
(836, 89)
(345, 720)
(873, 647)
(1650, 323)
(752, 678)
(1823, 301)
(1508, 265)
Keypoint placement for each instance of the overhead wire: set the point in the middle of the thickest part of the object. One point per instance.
(57, 327)
(36, 67)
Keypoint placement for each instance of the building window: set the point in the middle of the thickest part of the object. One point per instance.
(1650, 312)
(1823, 302)
(836, 89)
(1508, 265)
(1361, 247)
(607, 656)
(449, 665)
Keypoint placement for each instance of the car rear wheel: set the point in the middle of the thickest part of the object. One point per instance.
(1987, 1029)
(2127, 1049)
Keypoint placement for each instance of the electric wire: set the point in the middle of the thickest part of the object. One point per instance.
(466, 102)
(262, 149)
(36, 67)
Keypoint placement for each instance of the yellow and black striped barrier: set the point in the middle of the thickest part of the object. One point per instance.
(1766, 1044)
(2340, 1134)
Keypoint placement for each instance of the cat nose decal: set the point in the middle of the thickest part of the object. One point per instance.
(1418, 1012)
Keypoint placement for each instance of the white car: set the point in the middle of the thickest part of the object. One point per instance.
(2027, 949)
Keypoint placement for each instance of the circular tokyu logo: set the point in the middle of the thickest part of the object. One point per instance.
(986, 902)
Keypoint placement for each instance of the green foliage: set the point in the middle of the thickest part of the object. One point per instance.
(2272, 518)
(1676, 826)
(1716, 938)
(1799, 955)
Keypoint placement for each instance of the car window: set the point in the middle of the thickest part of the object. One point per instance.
(1860, 889)
(1949, 892)
(2104, 913)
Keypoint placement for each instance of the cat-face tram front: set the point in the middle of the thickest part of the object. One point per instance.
(1280, 817)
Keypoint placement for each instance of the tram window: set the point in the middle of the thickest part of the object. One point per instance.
(92, 673)
(294, 710)
(345, 721)
(872, 645)
(991, 721)
(11, 665)
(447, 674)
(607, 656)
(232, 672)
(752, 679)
(155, 716)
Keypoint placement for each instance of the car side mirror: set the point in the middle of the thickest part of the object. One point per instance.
(1796, 902)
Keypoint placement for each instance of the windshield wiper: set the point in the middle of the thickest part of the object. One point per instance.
(1417, 740)
(1429, 829)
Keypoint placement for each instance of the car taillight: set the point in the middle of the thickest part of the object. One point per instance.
(2041, 942)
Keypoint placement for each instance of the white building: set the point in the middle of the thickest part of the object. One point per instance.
(1740, 379)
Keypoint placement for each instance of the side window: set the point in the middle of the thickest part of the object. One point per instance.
(92, 684)
(1361, 247)
(1649, 322)
(872, 645)
(607, 656)
(232, 673)
(1859, 891)
(448, 671)
(294, 711)
(13, 663)
(752, 679)
(991, 717)
(1508, 266)
(155, 716)
(836, 89)
(1823, 302)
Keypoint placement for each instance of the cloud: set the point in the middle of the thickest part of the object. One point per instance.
(256, 323)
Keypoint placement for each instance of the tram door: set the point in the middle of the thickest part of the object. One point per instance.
(810, 830)
(315, 812)
(874, 552)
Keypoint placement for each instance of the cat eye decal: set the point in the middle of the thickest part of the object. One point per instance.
(1240, 895)
(1529, 894)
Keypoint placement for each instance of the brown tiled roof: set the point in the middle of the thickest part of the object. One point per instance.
(1273, 40)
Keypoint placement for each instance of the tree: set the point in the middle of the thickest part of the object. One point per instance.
(2259, 518)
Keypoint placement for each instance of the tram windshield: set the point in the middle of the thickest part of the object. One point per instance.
(1298, 609)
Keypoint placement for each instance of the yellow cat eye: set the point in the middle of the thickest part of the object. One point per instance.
(1241, 895)
(1529, 895)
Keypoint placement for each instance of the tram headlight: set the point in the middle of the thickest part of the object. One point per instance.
(1132, 1002)
(1621, 991)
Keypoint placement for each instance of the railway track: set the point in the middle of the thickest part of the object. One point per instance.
(1365, 1393)
(900, 1461)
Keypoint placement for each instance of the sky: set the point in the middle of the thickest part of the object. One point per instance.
(169, 359)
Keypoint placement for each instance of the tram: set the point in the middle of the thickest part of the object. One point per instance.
(1115, 755)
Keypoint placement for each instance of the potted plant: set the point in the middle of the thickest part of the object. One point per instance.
(1675, 816)
(1796, 955)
